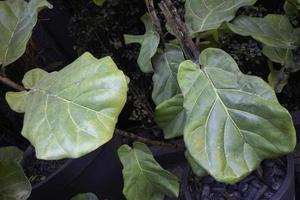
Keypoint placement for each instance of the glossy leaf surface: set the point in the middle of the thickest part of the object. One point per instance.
(17, 19)
(74, 111)
(204, 15)
(143, 176)
(234, 121)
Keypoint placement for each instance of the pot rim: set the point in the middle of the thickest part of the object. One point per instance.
(90, 157)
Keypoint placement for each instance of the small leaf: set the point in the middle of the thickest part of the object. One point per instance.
(272, 30)
(17, 20)
(74, 111)
(233, 121)
(149, 43)
(16, 100)
(166, 65)
(169, 115)
(99, 2)
(13, 182)
(143, 176)
(196, 168)
(85, 196)
(203, 15)
(277, 79)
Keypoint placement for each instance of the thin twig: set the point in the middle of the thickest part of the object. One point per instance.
(180, 30)
(11, 83)
(155, 20)
(146, 140)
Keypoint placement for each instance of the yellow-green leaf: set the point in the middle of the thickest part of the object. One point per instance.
(72, 112)
(233, 120)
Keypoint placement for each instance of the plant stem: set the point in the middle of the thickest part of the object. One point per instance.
(180, 30)
(146, 140)
(11, 83)
(155, 20)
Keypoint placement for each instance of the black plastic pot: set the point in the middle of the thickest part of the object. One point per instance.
(98, 172)
(296, 118)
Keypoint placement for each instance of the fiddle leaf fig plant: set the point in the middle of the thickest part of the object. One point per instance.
(17, 19)
(70, 117)
(13, 182)
(143, 176)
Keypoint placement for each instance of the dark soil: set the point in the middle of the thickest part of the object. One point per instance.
(260, 185)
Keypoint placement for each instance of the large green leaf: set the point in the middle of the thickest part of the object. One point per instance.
(272, 30)
(17, 19)
(143, 177)
(13, 183)
(233, 121)
(74, 111)
(204, 15)
(166, 65)
(169, 115)
(149, 43)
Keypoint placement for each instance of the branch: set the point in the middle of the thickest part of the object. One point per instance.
(180, 30)
(154, 18)
(11, 83)
(145, 140)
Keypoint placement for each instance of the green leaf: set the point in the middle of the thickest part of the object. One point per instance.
(149, 43)
(169, 115)
(290, 9)
(286, 57)
(233, 121)
(143, 176)
(278, 55)
(203, 15)
(196, 168)
(272, 30)
(16, 100)
(99, 2)
(17, 19)
(166, 65)
(33, 77)
(85, 196)
(296, 3)
(74, 111)
(13, 183)
(10, 153)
